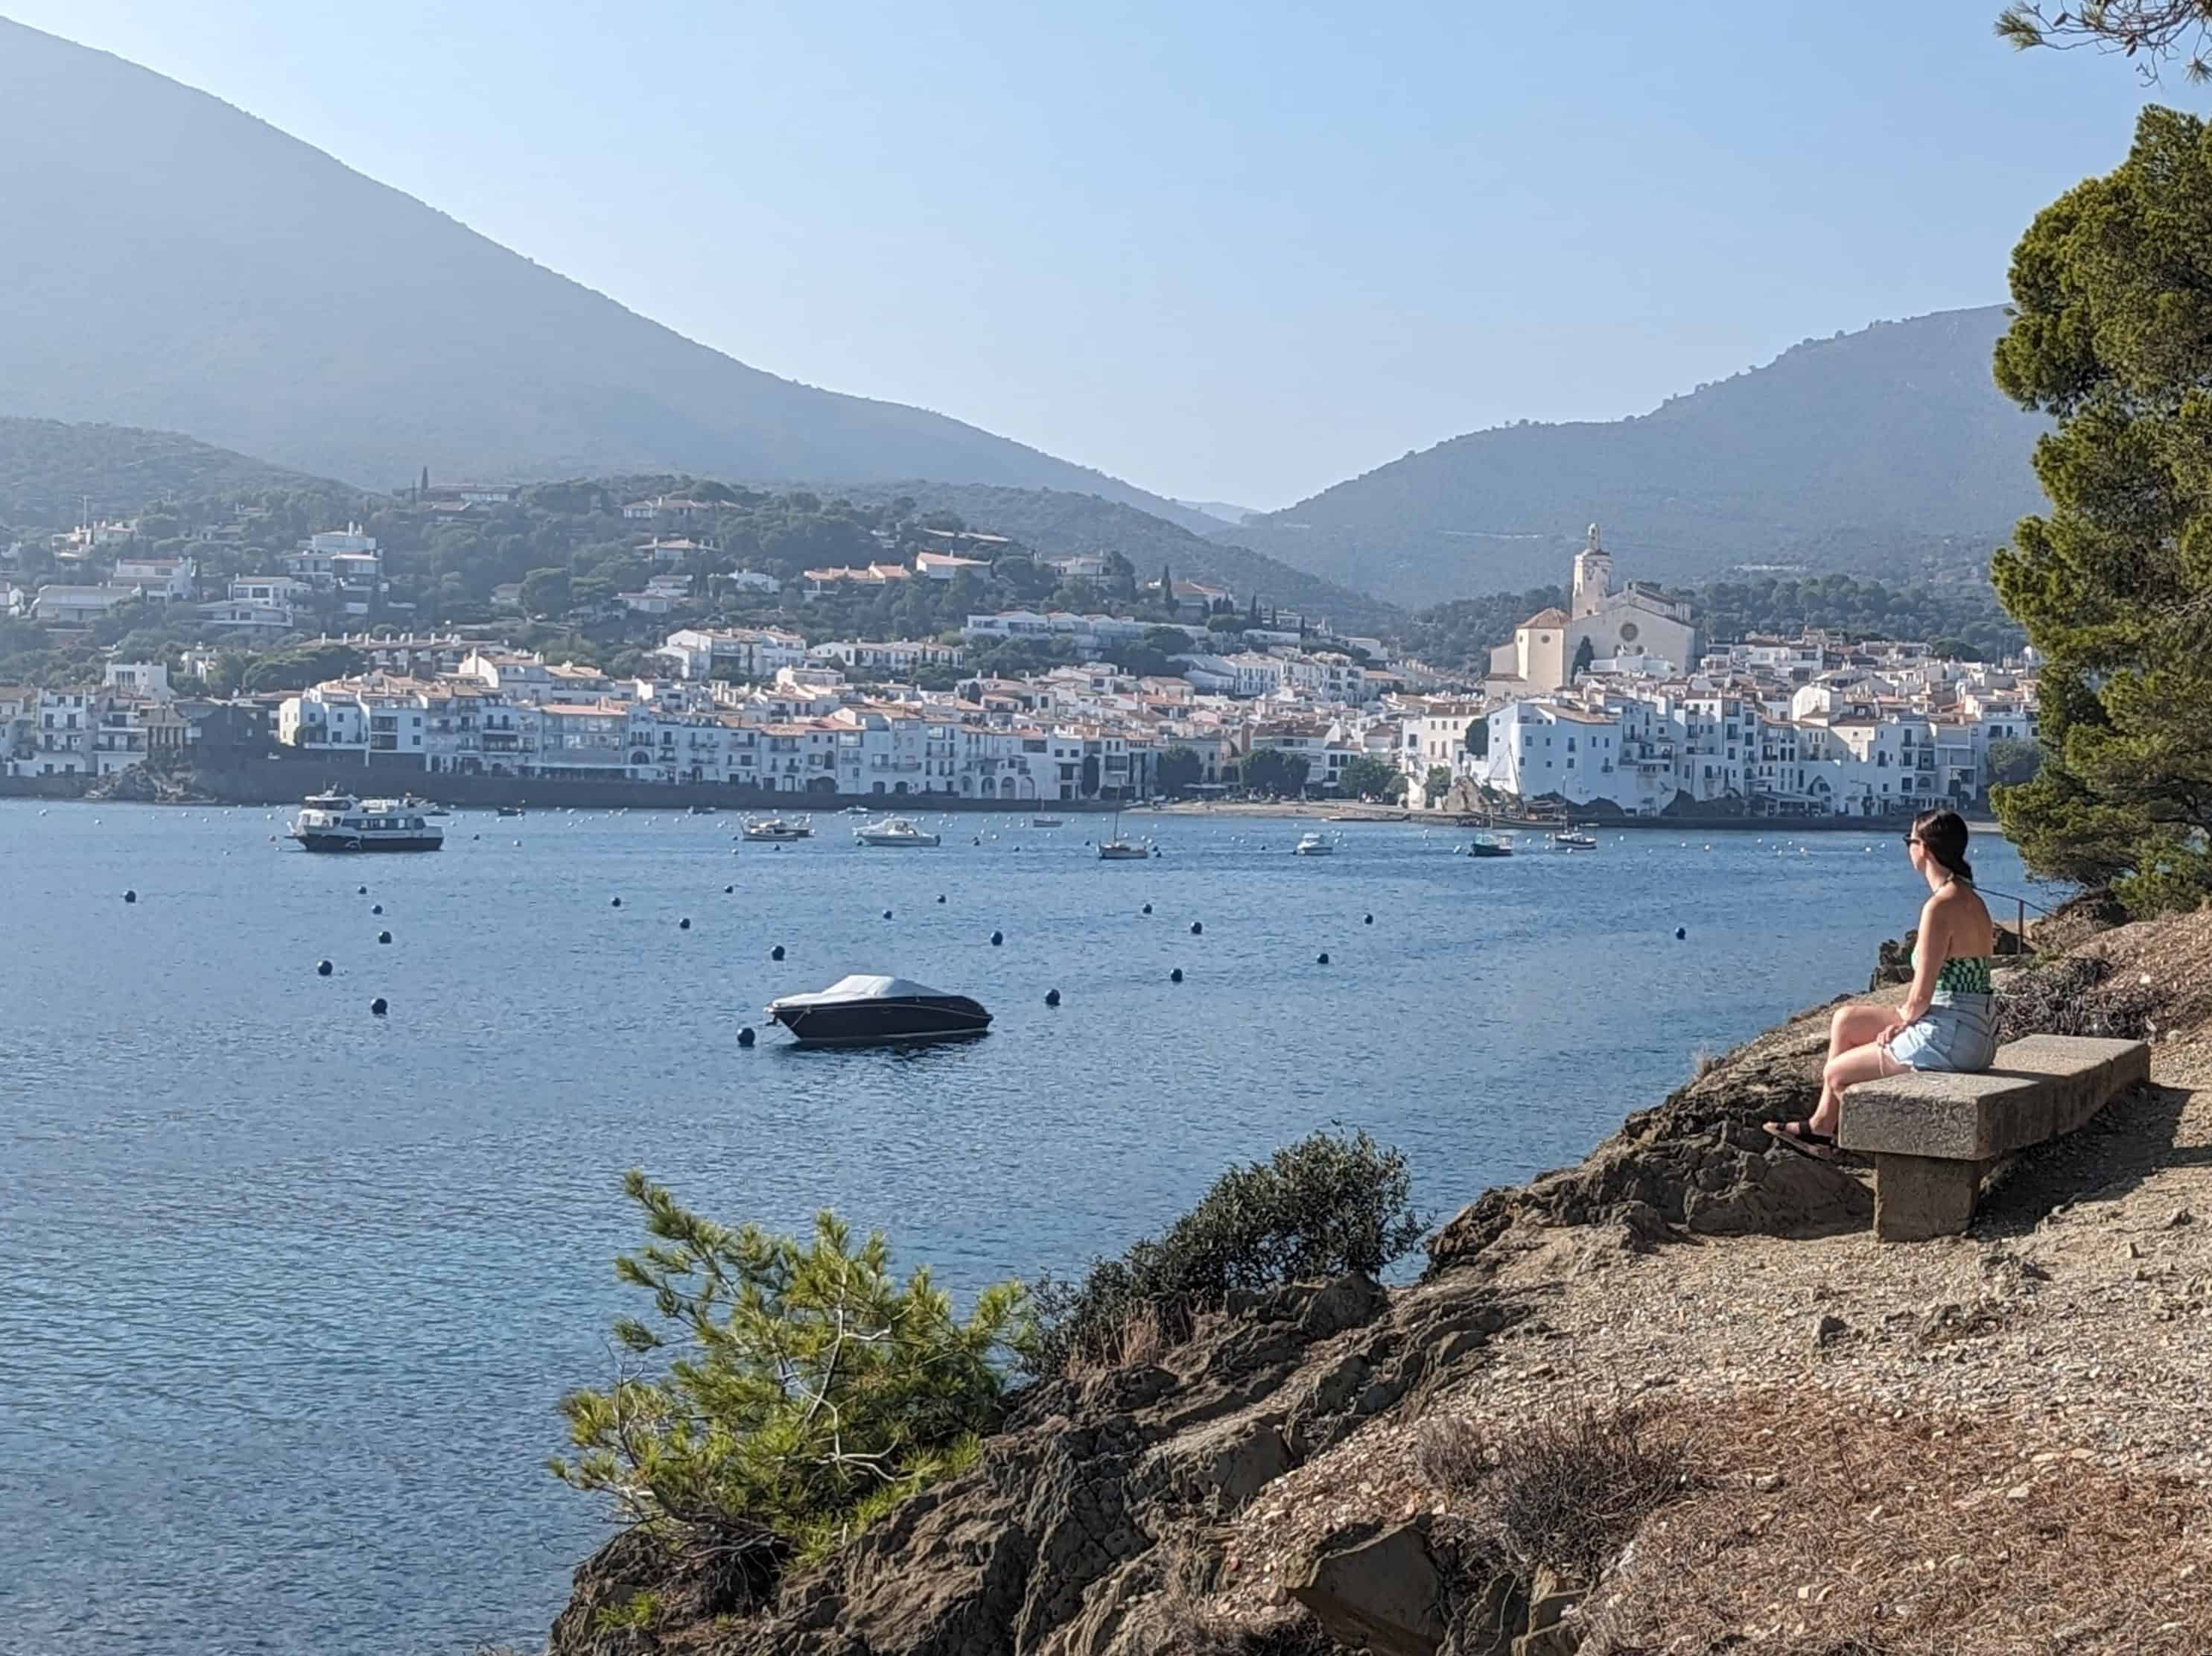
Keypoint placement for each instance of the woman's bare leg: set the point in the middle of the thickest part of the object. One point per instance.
(1862, 1064)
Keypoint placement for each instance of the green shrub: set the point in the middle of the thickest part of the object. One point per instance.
(1328, 1204)
(798, 1391)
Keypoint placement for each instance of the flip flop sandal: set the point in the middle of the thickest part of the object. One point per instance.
(1800, 1136)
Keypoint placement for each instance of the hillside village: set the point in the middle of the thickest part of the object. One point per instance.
(1103, 687)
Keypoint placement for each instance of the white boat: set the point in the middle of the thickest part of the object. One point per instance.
(1573, 839)
(1048, 822)
(1491, 845)
(339, 821)
(777, 829)
(1118, 850)
(894, 831)
(1312, 844)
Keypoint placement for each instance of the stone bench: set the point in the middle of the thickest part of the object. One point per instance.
(1932, 1136)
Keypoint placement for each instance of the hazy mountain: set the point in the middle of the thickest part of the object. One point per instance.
(1054, 521)
(174, 261)
(1218, 508)
(1888, 450)
(49, 469)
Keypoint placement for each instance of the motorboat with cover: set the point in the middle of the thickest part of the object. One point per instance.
(1574, 839)
(1491, 845)
(864, 1010)
(1312, 844)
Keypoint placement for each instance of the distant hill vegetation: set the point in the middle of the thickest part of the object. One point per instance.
(49, 471)
(1888, 450)
(1056, 522)
(177, 263)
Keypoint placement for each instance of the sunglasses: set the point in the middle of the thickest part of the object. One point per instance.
(1913, 839)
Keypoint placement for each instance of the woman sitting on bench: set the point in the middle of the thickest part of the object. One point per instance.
(1949, 1020)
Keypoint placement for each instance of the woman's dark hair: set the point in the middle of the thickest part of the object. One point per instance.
(1942, 835)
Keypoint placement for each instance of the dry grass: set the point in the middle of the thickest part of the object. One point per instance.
(1568, 1489)
(1807, 1528)
(2079, 995)
(2176, 954)
(1142, 1338)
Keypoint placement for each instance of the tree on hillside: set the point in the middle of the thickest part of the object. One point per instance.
(546, 593)
(1437, 783)
(2112, 337)
(2150, 34)
(1585, 658)
(1477, 739)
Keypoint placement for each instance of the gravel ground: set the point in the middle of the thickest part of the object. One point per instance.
(2075, 1319)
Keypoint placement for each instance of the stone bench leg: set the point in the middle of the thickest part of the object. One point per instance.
(1918, 1198)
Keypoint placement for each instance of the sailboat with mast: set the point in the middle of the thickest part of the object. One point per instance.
(1118, 850)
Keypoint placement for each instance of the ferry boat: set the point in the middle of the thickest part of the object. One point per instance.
(894, 831)
(868, 1011)
(1491, 845)
(1312, 844)
(339, 821)
(777, 829)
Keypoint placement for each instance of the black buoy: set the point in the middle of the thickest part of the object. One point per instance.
(323, 968)
(1369, 921)
(940, 897)
(1052, 998)
(383, 937)
(361, 891)
(746, 1036)
(1175, 977)
(726, 890)
(997, 938)
(684, 924)
(1148, 908)
(129, 897)
(1321, 960)
(1197, 928)
(887, 914)
(614, 902)
(1680, 933)
(376, 908)
(776, 954)
(377, 1006)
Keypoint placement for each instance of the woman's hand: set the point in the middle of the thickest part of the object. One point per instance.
(1896, 1027)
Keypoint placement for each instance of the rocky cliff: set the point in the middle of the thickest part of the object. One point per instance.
(1593, 1424)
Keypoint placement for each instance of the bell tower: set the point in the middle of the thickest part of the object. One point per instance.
(1593, 578)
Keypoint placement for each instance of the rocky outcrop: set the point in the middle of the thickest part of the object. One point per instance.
(1698, 1164)
(1062, 1540)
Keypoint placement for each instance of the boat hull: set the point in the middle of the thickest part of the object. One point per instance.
(897, 842)
(1488, 851)
(317, 839)
(882, 1022)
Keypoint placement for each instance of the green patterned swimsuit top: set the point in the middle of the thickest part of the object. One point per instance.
(1960, 975)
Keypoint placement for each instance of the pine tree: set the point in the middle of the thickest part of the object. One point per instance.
(1252, 616)
(1585, 658)
(2112, 337)
(1167, 588)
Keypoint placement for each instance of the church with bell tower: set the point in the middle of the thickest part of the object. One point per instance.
(1637, 621)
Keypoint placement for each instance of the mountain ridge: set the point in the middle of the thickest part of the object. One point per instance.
(1867, 448)
(292, 306)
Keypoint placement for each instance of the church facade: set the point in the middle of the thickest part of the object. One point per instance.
(1635, 622)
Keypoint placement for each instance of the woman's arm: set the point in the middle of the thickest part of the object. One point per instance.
(1932, 948)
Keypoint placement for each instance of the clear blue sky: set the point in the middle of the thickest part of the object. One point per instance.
(1225, 250)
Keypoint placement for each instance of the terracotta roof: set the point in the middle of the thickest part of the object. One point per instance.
(1553, 617)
